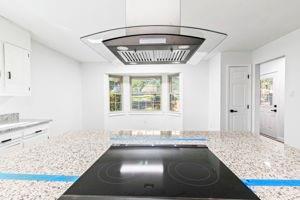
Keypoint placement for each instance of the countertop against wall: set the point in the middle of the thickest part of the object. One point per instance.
(12, 122)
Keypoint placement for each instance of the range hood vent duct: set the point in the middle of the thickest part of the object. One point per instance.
(142, 41)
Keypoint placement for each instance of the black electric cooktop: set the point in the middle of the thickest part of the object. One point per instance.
(158, 172)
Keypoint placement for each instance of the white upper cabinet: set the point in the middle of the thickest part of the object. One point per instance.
(17, 70)
(14, 60)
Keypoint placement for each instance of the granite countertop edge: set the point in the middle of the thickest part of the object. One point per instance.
(29, 123)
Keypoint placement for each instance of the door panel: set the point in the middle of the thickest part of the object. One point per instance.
(239, 94)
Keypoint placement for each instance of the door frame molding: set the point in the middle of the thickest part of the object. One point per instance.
(249, 66)
(256, 93)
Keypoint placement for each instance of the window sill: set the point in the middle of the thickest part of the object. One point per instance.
(169, 113)
(145, 113)
(112, 114)
(176, 114)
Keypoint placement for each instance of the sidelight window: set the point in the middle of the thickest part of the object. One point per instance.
(174, 101)
(115, 93)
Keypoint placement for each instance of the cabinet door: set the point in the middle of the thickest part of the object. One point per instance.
(1, 68)
(17, 70)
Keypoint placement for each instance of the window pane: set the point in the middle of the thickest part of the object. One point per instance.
(266, 92)
(112, 107)
(157, 106)
(146, 85)
(115, 93)
(145, 93)
(118, 98)
(118, 106)
(112, 98)
(174, 99)
(174, 84)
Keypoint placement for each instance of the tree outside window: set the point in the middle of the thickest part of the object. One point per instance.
(266, 92)
(174, 101)
(115, 93)
(146, 93)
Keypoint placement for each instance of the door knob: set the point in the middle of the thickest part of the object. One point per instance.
(275, 110)
(233, 111)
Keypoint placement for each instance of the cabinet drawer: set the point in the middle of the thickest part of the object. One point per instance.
(11, 146)
(34, 138)
(36, 129)
(10, 136)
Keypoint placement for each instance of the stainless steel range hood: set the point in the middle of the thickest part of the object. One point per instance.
(138, 43)
(153, 48)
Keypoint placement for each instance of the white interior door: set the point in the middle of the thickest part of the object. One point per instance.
(268, 104)
(239, 99)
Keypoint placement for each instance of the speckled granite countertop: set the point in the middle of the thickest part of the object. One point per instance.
(247, 155)
(13, 125)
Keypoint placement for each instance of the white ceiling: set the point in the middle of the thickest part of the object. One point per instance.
(60, 23)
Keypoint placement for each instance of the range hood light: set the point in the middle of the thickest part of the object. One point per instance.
(183, 46)
(133, 63)
(153, 40)
(122, 48)
(176, 62)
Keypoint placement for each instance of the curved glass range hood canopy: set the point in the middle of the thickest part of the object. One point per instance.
(154, 44)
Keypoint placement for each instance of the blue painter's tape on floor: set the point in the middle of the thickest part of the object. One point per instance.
(37, 177)
(160, 138)
(63, 178)
(272, 182)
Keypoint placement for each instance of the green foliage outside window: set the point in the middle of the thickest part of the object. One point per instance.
(115, 93)
(266, 92)
(146, 93)
(174, 92)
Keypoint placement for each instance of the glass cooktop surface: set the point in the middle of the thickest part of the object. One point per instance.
(160, 171)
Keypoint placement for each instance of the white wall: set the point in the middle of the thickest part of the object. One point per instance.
(214, 123)
(288, 46)
(56, 91)
(194, 97)
(14, 34)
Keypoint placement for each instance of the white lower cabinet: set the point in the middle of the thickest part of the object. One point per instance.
(11, 140)
(12, 146)
(35, 138)
(24, 138)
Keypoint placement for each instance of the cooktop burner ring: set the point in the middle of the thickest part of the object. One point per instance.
(177, 170)
(104, 174)
(208, 176)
